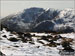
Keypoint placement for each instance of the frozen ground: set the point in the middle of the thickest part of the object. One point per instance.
(26, 49)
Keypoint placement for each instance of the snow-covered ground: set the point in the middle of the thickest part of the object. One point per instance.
(26, 49)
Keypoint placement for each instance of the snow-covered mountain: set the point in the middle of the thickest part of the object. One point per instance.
(40, 20)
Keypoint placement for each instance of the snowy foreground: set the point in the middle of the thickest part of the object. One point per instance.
(9, 48)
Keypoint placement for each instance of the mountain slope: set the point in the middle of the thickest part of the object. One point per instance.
(40, 20)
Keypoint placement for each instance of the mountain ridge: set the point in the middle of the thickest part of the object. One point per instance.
(38, 20)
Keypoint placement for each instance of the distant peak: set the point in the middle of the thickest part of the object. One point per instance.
(65, 11)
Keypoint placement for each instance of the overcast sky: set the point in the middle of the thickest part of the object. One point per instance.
(10, 7)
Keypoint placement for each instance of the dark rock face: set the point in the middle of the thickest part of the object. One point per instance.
(40, 20)
(13, 39)
(26, 37)
(1, 54)
(47, 15)
(44, 26)
(4, 36)
(68, 50)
